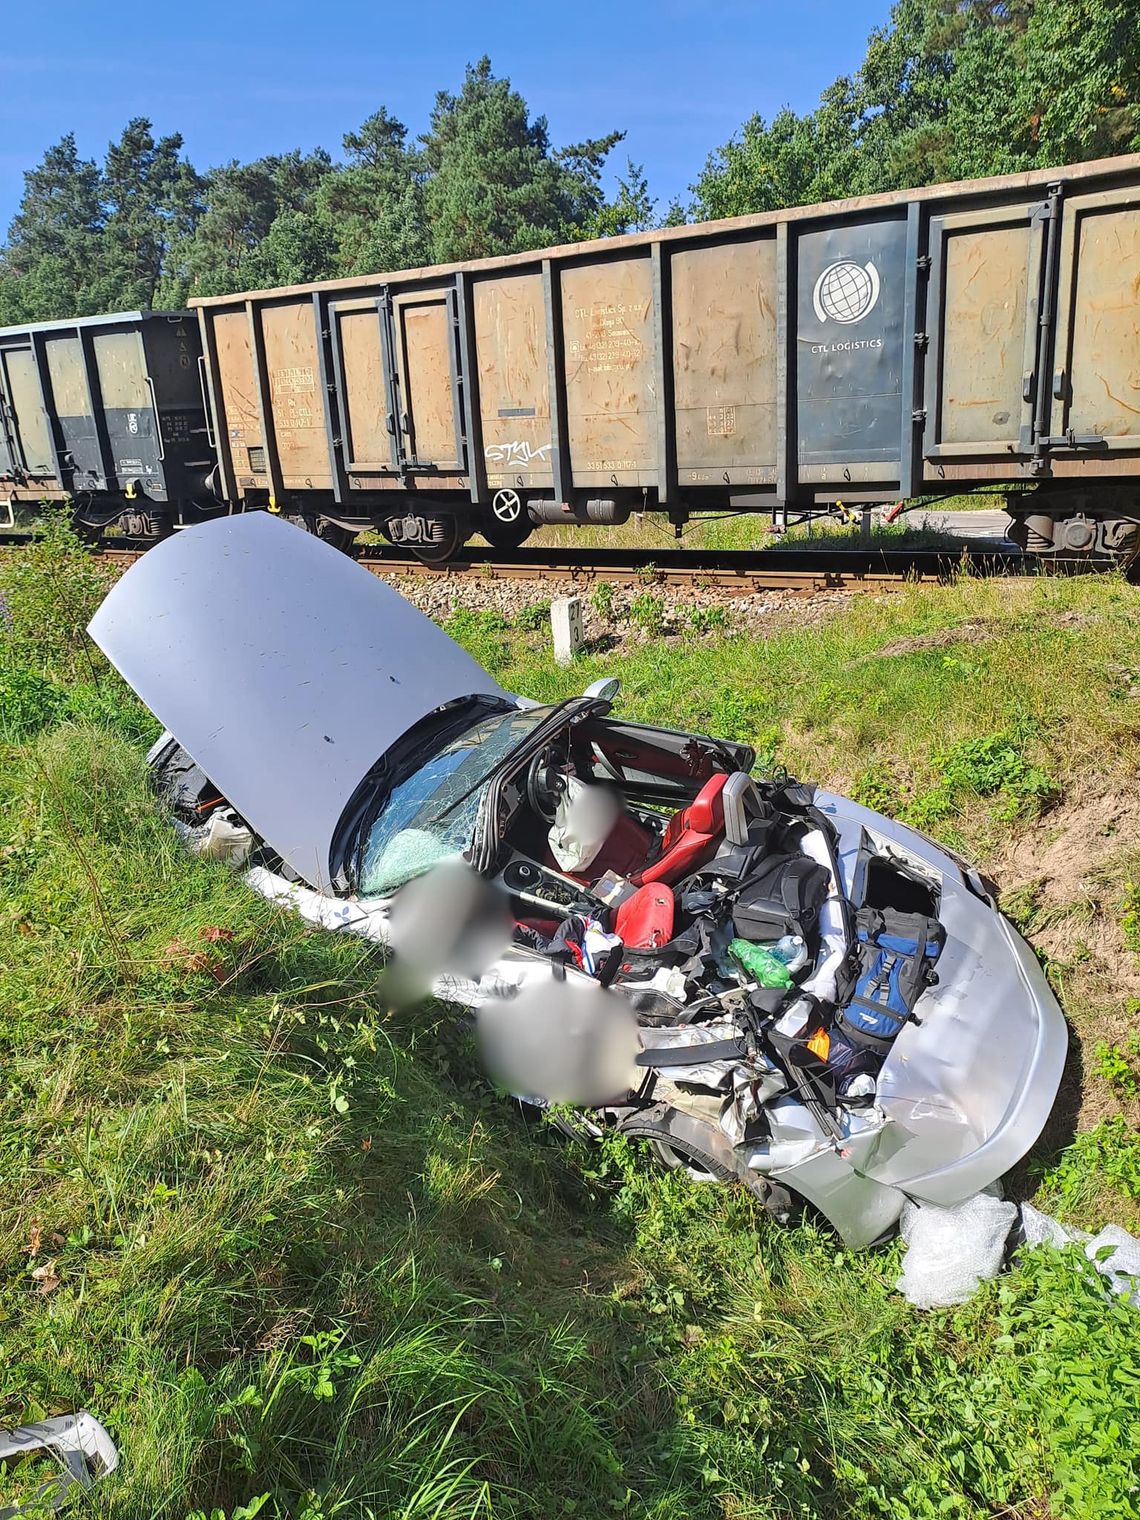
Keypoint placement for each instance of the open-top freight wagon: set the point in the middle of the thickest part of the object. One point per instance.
(107, 413)
(892, 347)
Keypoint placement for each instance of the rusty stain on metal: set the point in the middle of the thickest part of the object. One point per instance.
(427, 379)
(298, 422)
(609, 356)
(986, 274)
(725, 298)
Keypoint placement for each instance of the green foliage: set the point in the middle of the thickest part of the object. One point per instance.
(89, 239)
(1108, 1154)
(946, 90)
(877, 787)
(49, 592)
(647, 612)
(602, 598)
(28, 703)
(304, 1264)
(735, 714)
(1119, 1064)
(480, 631)
(144, 228)
(993, 765)
(1130, 916)
(493, 184)
(712, 619)
(533, 616)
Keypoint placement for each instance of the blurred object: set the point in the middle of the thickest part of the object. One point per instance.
(80, 1445)
(224, 837)
(449, 922)
(582, 823)
(565, 1041)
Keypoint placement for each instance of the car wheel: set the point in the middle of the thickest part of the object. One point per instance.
(682, 1143)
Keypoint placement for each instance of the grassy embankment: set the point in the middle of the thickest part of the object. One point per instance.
(287, 1244)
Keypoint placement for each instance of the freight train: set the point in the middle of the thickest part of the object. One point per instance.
(912, 345)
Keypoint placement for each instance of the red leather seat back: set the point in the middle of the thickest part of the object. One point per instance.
(645, 920)
(691, 835)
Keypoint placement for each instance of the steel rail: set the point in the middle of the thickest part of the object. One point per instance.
(737, 572)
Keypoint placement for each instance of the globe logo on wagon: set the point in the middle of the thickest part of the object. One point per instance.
(846, 292)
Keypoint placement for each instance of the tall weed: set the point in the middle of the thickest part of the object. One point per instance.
(49, 590)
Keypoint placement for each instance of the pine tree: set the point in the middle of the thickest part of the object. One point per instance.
(375, 202)
(53, 246)
(493, 183)
(152, 200)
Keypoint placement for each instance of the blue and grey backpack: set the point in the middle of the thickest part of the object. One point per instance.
(894, 963)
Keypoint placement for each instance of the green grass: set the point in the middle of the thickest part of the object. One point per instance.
(304, 1263)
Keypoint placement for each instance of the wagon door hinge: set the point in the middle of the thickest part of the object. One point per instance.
(918, 415)
(922, 263)
(921, 340)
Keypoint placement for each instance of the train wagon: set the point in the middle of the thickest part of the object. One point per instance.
(107, 413)
(909, 345)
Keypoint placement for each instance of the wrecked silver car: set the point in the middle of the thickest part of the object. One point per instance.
(768, 982)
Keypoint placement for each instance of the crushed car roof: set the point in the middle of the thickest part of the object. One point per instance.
(282, 666)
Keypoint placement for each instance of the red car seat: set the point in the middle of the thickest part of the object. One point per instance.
(691, 836)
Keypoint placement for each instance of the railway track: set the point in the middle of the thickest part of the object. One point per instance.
(735, 572)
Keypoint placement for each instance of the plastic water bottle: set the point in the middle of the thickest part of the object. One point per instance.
(791, 950)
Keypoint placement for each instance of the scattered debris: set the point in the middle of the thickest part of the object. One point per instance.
(47, 1279)
(951, 1250)
(1113, 1252)
(78, 1443)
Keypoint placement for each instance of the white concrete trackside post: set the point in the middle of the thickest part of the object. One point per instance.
(566, 625)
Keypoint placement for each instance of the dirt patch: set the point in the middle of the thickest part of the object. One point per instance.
(941, 638)
(1064, 852)
(975, 631)
(1065, 878)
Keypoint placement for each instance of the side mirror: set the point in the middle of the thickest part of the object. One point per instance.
(606, 690)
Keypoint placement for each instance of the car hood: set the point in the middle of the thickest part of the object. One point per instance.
(285, 669)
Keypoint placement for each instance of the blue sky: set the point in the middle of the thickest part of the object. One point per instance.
(239, 80)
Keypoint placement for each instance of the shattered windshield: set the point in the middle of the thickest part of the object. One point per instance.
(422, 819)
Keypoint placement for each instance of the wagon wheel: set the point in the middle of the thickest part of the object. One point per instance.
(446, 547)
(322, 527)
(507, 525)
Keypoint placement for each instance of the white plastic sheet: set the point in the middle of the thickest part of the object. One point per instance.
(951, 1250)
(1121, 1266)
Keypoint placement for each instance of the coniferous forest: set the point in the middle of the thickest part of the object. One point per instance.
(947, 89)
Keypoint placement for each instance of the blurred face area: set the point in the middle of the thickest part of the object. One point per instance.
(448, 922)
(565, 1041)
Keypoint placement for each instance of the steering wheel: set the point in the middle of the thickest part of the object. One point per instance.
(545, 784)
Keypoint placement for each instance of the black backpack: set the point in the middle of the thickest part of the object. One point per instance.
(783, 897)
